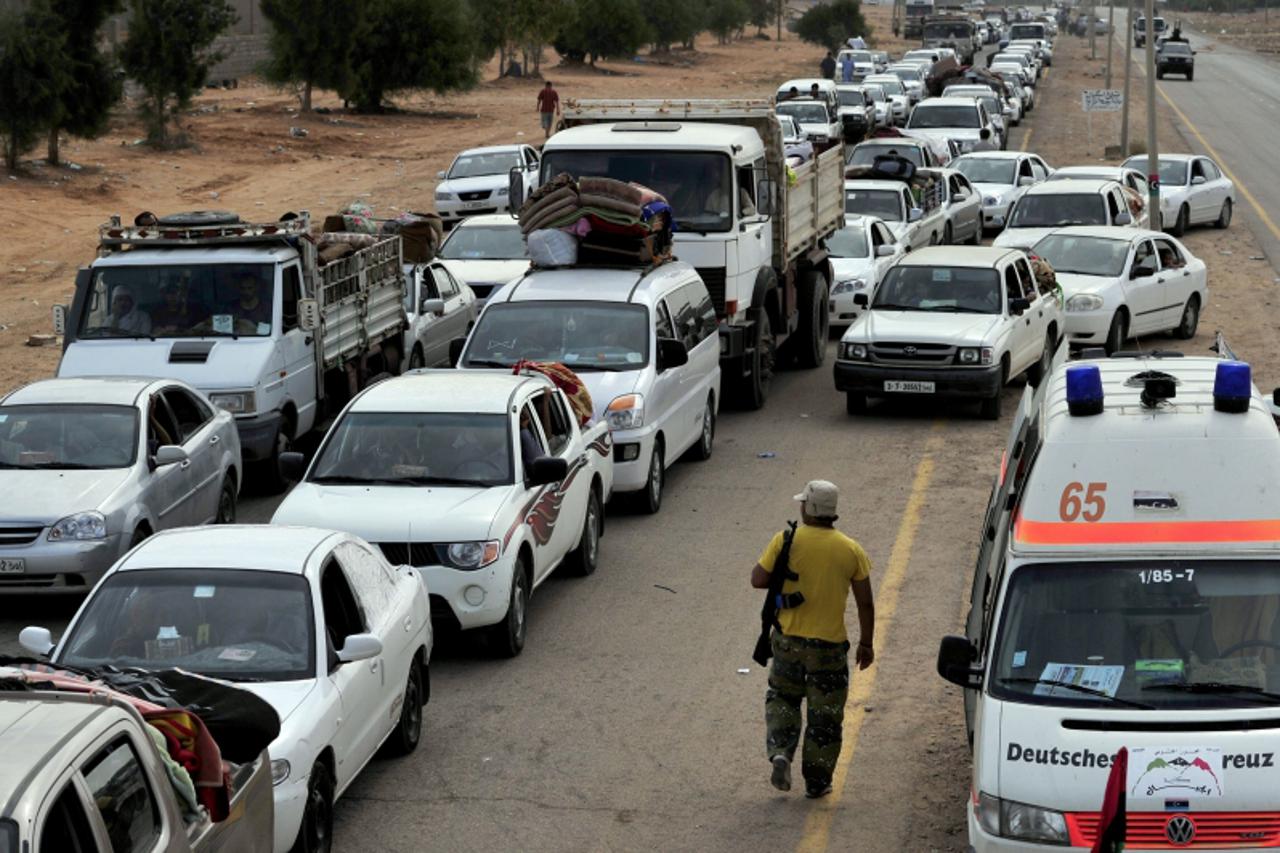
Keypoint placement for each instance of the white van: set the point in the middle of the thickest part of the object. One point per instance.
(1127, 594)
(645, 343)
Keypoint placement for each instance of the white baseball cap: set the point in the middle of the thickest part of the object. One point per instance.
(819, 498)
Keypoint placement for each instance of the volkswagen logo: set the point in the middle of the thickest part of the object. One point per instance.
(1180, 830)
(909, 351)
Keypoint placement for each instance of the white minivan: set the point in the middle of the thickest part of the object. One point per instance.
(643, 341)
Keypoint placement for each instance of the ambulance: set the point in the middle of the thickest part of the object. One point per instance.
(1127, 594)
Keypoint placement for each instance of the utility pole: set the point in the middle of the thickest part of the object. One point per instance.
(1153, 154)
(1128, 73)
(1111, 36)
(1093, 29)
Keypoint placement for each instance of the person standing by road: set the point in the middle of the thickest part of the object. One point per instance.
(811, 649)
(548, 107)
(828, 66)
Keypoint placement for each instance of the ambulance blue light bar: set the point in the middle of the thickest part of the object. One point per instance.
(1232, 387)
(1084, 390)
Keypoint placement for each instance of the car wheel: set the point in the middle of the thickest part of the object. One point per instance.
(855, 403)
(947, 235)
(1038, 371)
(707, 438)
(651, 496)
(226, 502)
(1190, 319)
(976, 239)
(138, 536)
(1190, 76)
(989, 408)
(1224, 217)
(1117, 334)
(507, 637)
(1180, 224)
(316, 833)
(584, 559)
(406, 735)
(416, 359)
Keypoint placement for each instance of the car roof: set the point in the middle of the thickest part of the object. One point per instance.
(489, 219)
(95, 390)
(873, 184)
(1080, 187)
(1118, 171)
(446, 391)
(1175, 158)
(893, 142)
(595, 284)
(946, 102)
(275, 548)
(1109, 232)
(992, 155)
(190, 255)
(957, 256)
(33, 728)
(677, 135)
(491, 149)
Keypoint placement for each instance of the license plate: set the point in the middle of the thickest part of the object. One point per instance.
(9, 566)
(472, 205)
(905, 387)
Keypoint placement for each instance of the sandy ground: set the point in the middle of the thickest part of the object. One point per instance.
(1257, 30)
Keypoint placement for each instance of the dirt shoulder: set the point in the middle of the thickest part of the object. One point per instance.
(1257, 30)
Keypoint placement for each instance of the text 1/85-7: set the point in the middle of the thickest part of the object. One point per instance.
(1165, 575)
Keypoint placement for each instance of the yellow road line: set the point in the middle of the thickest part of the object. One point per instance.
(817, 826)
(1262, 214)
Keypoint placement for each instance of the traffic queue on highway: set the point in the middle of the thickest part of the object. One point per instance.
(478, 407)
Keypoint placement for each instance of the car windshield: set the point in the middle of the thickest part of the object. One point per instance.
(948, 30)
(865, 153)
(484, 243)
(1059, 209)
(416, 449)
(907, 73)
(224, 623)
(68, 436)
(849, 242)
(1008, 68)
(1173, 173)
(1178, 47)
(848, 98)
(925, 116)
(1155, 633)
(1071, 253)
(884, 204)
(960, 290)
(583, 335)
(695, 184)
(805, 113)
(484, 163)
(987, 170)
(790, 130)
(1026, 31)
(890, 87)
(187, 301)
(875, 93)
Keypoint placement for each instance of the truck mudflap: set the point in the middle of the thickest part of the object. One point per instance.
(733, 341)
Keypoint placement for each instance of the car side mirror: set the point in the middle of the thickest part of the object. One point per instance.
(1024, 181)
(169, 454)
(1019, 306)
(38, 641)
(546, 470)
(308, 315)
(885, 250)
(955, 662)
(1275, 396)
(1197, 180)
(671, 353)
(59, 319)
(433, 306)
(860, 299)
(358, 647)
(515, 190)
(915, 214)
(293, 465)
(1123, 218)
(455, 350)
(440, 175)
(1142, 271)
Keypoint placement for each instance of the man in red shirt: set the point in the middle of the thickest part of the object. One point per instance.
(548, 107)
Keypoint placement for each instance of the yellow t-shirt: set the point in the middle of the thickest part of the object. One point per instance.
(827, 561)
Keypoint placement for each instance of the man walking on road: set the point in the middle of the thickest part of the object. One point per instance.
(828, 66)
(984, 142)
(548, 107)
(811, 651)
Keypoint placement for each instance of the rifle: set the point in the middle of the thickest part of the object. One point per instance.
(774, 599)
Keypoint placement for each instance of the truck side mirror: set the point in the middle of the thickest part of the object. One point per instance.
(455, 350)
(308, 315)
(59, 319)
(515, 190)
(955, 662)
(768, 191)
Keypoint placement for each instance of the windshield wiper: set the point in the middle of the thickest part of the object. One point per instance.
(59, 466)
(956, 309)
(889, 306)
(351, 480)
(1216, 687)
(488, 362)
(605, 368)
(439, 481)
(1079, 688)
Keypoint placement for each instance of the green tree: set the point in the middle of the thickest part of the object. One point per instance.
(829, 25)
(92, 86)
(537, 22)
(407, 44)
(603, 29)
(32, 77)
(168, 53)
(672, 22)
(309, 40)
(726, 17)
(762, 13)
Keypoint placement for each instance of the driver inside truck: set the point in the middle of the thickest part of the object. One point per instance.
(125, 314)
(252, 307)
(175, 314)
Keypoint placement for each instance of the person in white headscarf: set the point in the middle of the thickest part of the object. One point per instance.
(125, 315)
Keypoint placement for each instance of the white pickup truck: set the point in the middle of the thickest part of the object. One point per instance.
(752, 228)
(914, 224)
(950, 322)
(246, 312)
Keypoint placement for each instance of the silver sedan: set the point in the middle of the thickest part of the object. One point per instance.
(92, 466)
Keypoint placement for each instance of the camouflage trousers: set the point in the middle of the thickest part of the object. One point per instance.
(817, 672)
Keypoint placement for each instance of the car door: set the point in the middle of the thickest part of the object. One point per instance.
(1037, 320)
(702, 341)
(359, 684)
(169, 488)
(458, 300)
(966, 207)
(1175, 280)
(200, 439)
(531, 170)
(1143, 289)
(881, 236)
(566, 500)
(1219, 188)
(684, 406)
(1019, 325)
(123, 806)
(430, 332)
(1200, 195)
(297, 348)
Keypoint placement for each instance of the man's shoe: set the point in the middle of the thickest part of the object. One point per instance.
(815, 792)
(781, 777)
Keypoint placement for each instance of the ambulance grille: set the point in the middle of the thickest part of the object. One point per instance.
(1146, 830)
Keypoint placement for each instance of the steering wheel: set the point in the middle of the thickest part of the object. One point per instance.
(1248, 644)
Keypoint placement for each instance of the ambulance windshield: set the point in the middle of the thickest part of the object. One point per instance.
(1145, 634)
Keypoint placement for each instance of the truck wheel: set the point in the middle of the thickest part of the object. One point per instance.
(507, 637)
(316, 833)
(810, 347)
(416, 359)
(584, 559)
(753, 389)
(651, 495)
(855, 403)
(407, 734)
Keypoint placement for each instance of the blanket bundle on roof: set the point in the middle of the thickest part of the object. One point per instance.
(564, 379)
(614, 222)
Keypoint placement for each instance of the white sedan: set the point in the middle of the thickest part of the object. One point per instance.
(1124, 282)
(1001, 177)
(439, 308)
(1051, 205)
(860, 253)
(1193, 191)
(478, 180)
(314, 622)
(485, 252)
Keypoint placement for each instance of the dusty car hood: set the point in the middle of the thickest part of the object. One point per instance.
(605, 386)
(395, 513)
(924, 327)
(470, 185)
(478, 272)
(1021, 238)
(47, 496)
(284, 696)
(232, 363)
(844, 269)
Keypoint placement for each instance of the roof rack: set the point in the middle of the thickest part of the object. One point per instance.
(706, 109)
(114, 234)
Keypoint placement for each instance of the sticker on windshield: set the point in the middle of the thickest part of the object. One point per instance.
(1104, 679)
(941, 274)
(1159, 671)
(1176, 771)
(3, 418)
(634, 358)
(223, 324)
(264, 328)
(238, 655)
(1019, 659)
(204, 591)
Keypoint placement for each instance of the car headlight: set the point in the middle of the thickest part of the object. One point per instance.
(975, 355)
(1024, 822)
(991, 201)
(81, 526)
(235, 402)
(853, 352)
(279, 770)
(1084, 302)
(848, 286)
(626, 412)
(471, 555)
(502, 191)
(444, 196)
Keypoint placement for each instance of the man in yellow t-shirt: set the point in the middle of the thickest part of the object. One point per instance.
(811, 651)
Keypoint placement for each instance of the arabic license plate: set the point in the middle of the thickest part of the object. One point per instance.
(907, 387)
(10, 566)
(472, 205)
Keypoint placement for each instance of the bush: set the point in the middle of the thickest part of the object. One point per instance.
(408, 44)
(309, 41)
(32, 78)
(829, 25)
(603, 29)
